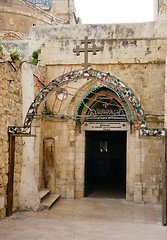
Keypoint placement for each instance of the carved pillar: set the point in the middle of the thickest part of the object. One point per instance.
(28, 194)
(70, 193)
(138, 186)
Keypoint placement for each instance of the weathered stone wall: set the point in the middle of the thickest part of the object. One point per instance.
(136, 55)
(144, 162)
(11, 114)
(144, 155)
(64, 155)
(144, 166)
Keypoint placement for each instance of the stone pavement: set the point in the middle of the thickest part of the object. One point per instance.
(87, 219)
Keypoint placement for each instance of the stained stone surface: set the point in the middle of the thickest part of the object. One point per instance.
(91, 219)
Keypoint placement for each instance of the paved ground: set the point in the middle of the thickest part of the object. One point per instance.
(87, 219)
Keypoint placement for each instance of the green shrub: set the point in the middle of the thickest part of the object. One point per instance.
(15, 54)
(35, 57)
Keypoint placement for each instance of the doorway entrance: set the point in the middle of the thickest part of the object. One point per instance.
(105, 164)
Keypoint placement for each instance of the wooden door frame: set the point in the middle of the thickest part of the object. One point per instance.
(11, 142)
(10, 174)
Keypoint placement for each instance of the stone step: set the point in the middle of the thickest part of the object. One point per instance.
(49, 201)
(44, 193)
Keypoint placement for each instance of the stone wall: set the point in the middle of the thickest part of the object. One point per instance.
(135, 54)
(64, 156)
(144, 162)
(11, 114)
(144, 155)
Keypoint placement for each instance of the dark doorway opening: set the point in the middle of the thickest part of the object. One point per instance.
(105, 164)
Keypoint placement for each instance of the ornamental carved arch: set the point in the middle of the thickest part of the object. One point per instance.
(94, 78)
(99, 80)
(95, 94)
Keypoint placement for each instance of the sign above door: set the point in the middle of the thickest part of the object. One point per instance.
(105, 126)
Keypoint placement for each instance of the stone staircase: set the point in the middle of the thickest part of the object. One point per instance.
(47, 199)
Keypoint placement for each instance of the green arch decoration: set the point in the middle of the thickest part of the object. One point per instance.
(102, 87)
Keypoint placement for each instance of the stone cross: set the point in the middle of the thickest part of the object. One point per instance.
(86, 49)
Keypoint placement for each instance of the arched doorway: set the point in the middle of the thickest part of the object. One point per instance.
(105, 117)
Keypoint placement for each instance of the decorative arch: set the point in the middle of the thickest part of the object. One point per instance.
(105, 79)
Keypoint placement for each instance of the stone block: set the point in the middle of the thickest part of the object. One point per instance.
(78, 194)
(138, 192)
(70, 190)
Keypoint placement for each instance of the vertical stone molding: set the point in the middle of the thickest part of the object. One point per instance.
(71, 162)
(27, 87)
(165, 104)
(138, 192)
(28, 194)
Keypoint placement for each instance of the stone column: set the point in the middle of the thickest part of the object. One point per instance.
(165, 104)
(138, 186)
(70, 193)
(28, 194)
(133, 185)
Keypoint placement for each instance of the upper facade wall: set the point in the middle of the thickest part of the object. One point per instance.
(135, 53)
(122, 43)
